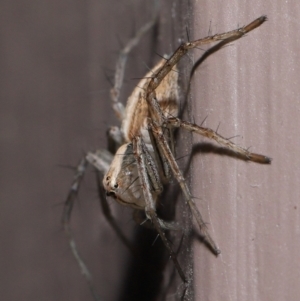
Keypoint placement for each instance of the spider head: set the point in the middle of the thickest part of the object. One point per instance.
(122, 181)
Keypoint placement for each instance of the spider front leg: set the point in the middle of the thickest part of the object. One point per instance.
(223, 39)
(117, 106)
(167, 153)
(150, 204)
(69, 203)
(101, 161)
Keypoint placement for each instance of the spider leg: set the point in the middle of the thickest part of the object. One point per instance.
(117, 106)
(101, 160)
(150, 208)
(223, 38)
(114, 139)
(80, 170)
(164, 146)
(163, 164)
(211, 134)
(155, 180)
(152, 171)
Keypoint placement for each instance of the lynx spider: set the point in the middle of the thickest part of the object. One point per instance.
(144, 160)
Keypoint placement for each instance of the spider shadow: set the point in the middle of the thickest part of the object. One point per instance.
(144, 276)
(209, 148)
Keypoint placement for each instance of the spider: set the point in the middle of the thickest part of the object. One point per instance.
(144, 145)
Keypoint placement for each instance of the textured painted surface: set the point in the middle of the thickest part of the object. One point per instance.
(252, 89)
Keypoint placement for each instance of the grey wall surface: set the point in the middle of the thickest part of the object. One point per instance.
(56, 58)
(54, 105)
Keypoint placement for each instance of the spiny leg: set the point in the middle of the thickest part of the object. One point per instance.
(211, 134)
(150, 208)
(158, 119)
(117, 106)
(225, 38)
(164, 147)
(114, 139)
(80, 170)
(167, 153)
(155, 180)
(101, 159)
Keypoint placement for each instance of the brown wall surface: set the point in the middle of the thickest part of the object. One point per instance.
(54, 105)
